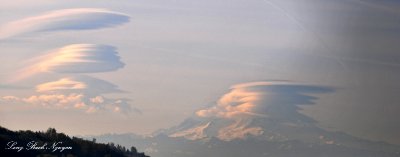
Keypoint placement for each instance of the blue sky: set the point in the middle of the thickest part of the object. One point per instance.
(138, 66)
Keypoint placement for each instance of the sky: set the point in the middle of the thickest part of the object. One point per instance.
(137, 66)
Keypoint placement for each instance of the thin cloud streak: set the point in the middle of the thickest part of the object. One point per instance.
(62, 84)
(80, 83)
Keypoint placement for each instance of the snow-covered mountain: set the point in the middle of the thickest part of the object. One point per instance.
(256, 119)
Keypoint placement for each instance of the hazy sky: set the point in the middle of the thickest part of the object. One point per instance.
(88, 67)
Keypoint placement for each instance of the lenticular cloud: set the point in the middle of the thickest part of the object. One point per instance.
(66, 19)
(262, 109)
(82, 58)
(78, 92)
(78, 84)
(76, 58)
(272, 100)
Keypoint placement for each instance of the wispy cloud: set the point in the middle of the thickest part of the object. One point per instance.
(8, 86)
(67, 19)
(76, 58)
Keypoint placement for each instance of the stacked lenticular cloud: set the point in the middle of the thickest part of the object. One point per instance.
(77, 90)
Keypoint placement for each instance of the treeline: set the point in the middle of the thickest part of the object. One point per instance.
(53, 144)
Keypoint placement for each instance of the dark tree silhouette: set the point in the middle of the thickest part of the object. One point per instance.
(42, 145)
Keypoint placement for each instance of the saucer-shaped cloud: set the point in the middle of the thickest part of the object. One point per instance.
(78, 92)
(76, 58)
(272, 100)
(78, 84)
(82, 58)
(67, 19)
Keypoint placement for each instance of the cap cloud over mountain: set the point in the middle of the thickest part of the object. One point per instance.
(264, 109)
(258, 118)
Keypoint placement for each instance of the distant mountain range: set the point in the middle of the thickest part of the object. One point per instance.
(281, 141)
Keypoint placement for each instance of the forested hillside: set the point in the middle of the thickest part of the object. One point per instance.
(53, 144)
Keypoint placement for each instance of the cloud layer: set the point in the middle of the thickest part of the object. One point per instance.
(67, 19)
(74, 84)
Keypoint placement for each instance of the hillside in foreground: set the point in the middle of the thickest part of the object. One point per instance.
(53, 144)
